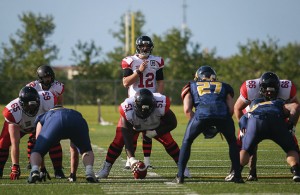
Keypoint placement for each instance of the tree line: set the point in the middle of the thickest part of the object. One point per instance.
(99, 75)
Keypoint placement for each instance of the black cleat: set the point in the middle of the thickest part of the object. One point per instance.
(33, 177)
(59, 174)
(296, 173)
(91, 179)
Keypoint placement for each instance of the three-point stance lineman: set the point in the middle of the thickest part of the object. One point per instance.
(57, 124)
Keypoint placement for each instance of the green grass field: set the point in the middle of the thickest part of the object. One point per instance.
(209, 164)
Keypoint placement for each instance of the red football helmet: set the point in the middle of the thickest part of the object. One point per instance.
(139, 170)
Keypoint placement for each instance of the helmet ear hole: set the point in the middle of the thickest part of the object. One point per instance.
(144, 103)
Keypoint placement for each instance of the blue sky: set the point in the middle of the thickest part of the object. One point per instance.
(220, 24)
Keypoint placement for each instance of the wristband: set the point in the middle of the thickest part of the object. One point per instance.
(137, 71)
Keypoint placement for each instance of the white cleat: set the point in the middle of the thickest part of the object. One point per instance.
(104, 172)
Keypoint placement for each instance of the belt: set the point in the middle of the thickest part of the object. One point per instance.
(265, 116)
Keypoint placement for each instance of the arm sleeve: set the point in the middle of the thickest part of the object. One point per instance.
(167, 123)
(159, 74)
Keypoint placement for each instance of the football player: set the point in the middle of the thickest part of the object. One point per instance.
(253, 89)
(19, 116)
(46, 81)
(213, 103)
(266, 119)
(149, 113)
(141, 70)
(57, 124)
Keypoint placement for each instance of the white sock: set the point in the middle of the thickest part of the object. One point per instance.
(147, 161)
(34, 168)
(89, 170)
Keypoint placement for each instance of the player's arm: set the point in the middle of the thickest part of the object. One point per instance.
(127, 132)
(167, 123)
(230, 104)
(130, 77)
(292, 111)
(188, 106)
(238, 108)
(160, 81)
(14, 133)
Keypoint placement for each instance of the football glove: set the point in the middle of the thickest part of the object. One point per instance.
(44, 174)
(15, 172)
(72, 177)
(151, 133)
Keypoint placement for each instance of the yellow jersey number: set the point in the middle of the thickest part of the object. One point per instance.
(204, 87)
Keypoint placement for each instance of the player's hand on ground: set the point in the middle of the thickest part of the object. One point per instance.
(15, 172)
(72, 177)
(44, 175)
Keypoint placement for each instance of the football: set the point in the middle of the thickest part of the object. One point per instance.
(139, 170)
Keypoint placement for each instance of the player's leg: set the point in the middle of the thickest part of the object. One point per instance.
(56, 157)
(30, 145)
(113, 152)
(4, 147)
(227, 128)
(252, 166)
(147, 147)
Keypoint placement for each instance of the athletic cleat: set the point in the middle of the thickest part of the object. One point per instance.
(91, 179)
(252, 177)
(178, 180)
(238, 180)
(104, 172)
(230, 176)
(296, 173)
(33, 177)
(150, 167)
(59, 174)
(187, 173)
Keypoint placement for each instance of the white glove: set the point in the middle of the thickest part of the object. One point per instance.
(132, 160)
(151, 133)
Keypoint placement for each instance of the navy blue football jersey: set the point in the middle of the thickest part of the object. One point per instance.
(209, 98)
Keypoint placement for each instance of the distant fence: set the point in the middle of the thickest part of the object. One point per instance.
(86, 92)
(110, 92)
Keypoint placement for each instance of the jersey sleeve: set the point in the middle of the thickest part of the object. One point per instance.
(293, 92)
(243, 91)
(168, 104)
(126, 63)
(161, 64)
(8, 115)
(121, 111)
(185, 90)
(230, 90)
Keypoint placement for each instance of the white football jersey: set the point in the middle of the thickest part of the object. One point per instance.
(250, 90)
(148, 77)
(57, 88)
(13, 112)
(150, 123)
